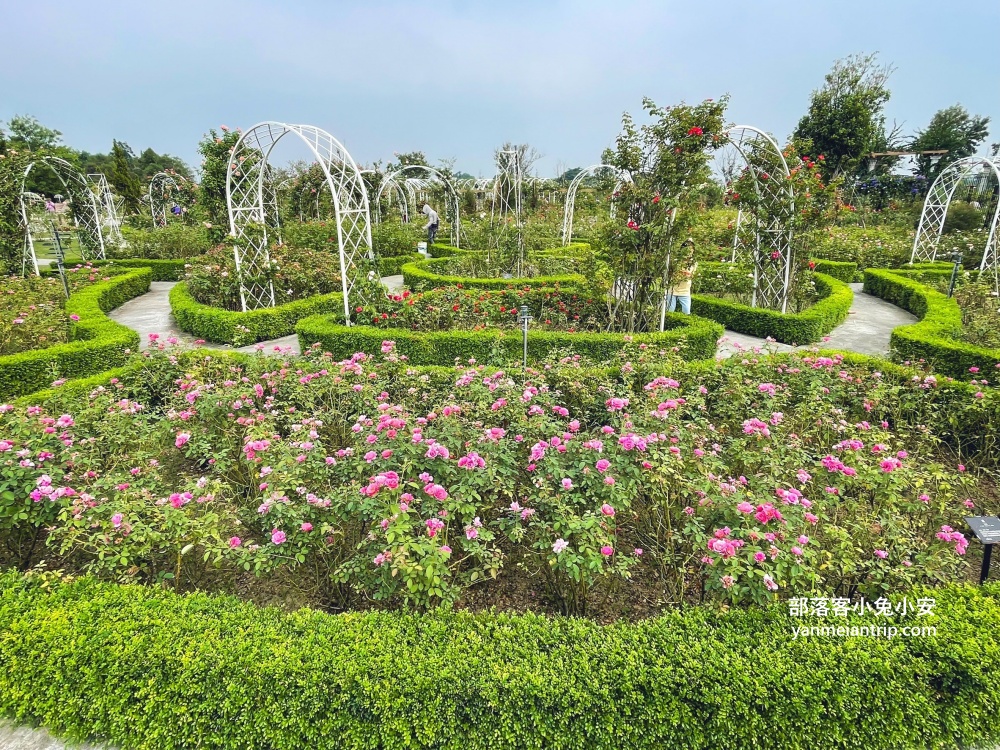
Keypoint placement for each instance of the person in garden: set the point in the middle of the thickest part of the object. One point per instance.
(432, 223)
(681, 278)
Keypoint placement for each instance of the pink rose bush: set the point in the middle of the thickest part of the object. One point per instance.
(369, 479)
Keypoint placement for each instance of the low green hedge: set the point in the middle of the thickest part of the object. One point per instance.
(805, 327)
(392, 265)
(148, 669)
(437, 250)
(163, 270)
(242, 328)
(842, 270)
(696, 337)
(421, 275)
(933, 338)
(96, 342)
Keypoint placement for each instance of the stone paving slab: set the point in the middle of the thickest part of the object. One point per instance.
(14, 737)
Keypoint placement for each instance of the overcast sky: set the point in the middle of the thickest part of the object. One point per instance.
(456, 79)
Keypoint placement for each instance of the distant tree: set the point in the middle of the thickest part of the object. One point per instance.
(27, 132)
(952, 129)
(414, 157)
(845, 120)
(123, 178)
(214, 149)
(569, 174)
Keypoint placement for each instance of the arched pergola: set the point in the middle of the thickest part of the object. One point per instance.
(570, 205)
(413, 178)
(86, 212)
(110, 222)
(159, 187)
(252, 201)
(769, 222)
(507, 204)
(936, 205)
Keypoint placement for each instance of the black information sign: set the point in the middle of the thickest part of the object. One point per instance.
(987, 531)
(986, 528)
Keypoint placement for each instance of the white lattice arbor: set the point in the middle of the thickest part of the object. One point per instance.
(935, 211)
(160, 187)
(570, 205)
(86, 212)
(764, 232)
(252, 202)
(413, 179)
(505, 216)
(107, 206)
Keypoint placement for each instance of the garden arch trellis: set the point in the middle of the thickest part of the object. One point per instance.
(570, 203)
(86, 214)
(157, 193)
(392, 182)
(251, 199)
(774, 209)
(106, 206)
(935, 211)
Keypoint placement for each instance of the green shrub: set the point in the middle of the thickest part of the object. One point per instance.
(152, 670)
(934, 338)
(173, 241)
(425, 274)
(96, 343)
(437, 250)
(163, 270)
(867, 247)
(393, 265)
(393, 238)
(799, 328)
(962, 217)
(242, 328)
(846, 271)
(696, 338)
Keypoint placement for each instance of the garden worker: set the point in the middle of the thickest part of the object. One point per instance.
(432, 223)
(680, 289)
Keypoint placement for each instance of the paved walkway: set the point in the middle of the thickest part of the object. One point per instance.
(25, 738)
(867, 330)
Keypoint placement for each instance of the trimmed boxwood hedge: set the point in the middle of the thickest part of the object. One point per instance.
(96, 342)
(163, 270)
(805, 327)
(696, 337)
(148, 669)
(842, 270)
(222, 326)
(420, 275)
(933, 339)
(392, 265)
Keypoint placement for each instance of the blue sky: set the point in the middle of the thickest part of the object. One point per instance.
(456, 79)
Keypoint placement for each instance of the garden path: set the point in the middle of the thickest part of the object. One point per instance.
(14, 737)
(867, 330)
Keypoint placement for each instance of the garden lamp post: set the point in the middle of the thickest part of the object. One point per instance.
(524, 317)
(956, 258)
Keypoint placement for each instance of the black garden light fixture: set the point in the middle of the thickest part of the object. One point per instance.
(956, 258)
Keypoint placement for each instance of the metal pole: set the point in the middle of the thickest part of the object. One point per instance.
(60, 256)
(525, 317)
(985, 572)
(956, 258)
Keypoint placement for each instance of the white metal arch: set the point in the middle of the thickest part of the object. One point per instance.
(935, 211)
(570, 205)
(430, 174)
(86, 215)
(251, 202)
(159, 186)
(505, 212)
(771, 221)
(108, 210)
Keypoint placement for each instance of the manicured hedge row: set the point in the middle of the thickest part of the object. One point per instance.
(148, 669)
(392, 265)
(96, 343)
(696, 338)
(805, 327)
(933, 339)
(841, 270)
(242, 328)
(437, 250)
(421, 275)
(163, 270)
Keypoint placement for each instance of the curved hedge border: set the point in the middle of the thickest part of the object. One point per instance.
(149, 669)
(223, 326)
(392, 265)
(845, 271)
(96, 342)
(163, 270)
(420, 275)
(931, 339)
(696, 337)
(805, 327)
